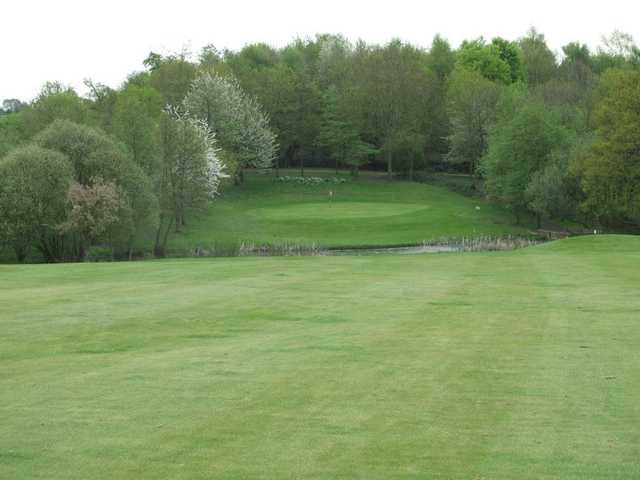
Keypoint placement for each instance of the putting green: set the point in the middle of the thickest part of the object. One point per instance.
(364, 212)
(337, 210)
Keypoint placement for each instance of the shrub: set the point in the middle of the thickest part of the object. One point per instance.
(33, 196)
(311, 181)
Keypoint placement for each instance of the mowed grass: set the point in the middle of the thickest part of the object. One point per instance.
(521, 364)
(365, 212)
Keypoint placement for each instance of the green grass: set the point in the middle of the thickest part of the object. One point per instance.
(369, 211)
(502, 365)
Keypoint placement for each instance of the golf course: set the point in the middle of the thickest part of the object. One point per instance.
(500, 365)
(239, 244)
(369, 211)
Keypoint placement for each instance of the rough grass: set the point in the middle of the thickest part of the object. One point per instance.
(369, 211)
(501, 365)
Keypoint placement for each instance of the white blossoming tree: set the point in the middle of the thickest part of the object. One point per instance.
(240, 125)
(191, 171)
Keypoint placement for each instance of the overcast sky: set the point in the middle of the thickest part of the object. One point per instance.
(69, 40)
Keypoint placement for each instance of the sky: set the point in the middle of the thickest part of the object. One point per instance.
(70, 40)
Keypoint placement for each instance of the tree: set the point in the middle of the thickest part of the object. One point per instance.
(620, 44)
(251, 59)
(153, 61)
(441, 62)
(171, 76)
(577, 66)
(358, 154)
(33, 188)
(548, 194)
(12, 105)
(11, 132)
(471, 105)
(95, 211)
(487, 59)
(618, 50)
(190, 172)
(288, 84)
(409, 145)
(135, 122)
(334, 54)
(293, 103)
(238, 121)
(94, 154)
(389, 93)
(576, 52)
(609, 171)
(521, 144)
(341, 138)
(209, 57)
(55, 102)
(510, 53)
(102, 102)
(538, 60)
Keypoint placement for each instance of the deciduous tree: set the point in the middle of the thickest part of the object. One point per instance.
(520, 146)
(97, 211)
(94, 154)
(389, 93)
(539, 61)
(238, 121)
(471, 105)
(33, 187)
(609, 171)
(190, 172)
(135, 122)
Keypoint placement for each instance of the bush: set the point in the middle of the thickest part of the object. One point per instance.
(33, 196)
(311, 181)
(94, 154)
(100, 254)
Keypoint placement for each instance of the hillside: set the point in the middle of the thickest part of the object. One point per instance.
(366, 212)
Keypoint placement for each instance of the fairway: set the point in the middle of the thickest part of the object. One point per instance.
(504, 365)
(363, 212)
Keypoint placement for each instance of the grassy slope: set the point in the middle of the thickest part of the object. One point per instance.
(485, 365)
(366, 212)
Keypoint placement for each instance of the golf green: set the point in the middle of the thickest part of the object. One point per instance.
(362, 212)
(336, 211)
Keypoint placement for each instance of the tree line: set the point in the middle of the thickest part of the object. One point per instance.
(547, 135)
(123, 169)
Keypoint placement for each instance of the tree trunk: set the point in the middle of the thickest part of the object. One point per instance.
(389, 165)
(166, 238)
(156, 246)
(47, 250)
(162, 235)
(21, 254)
